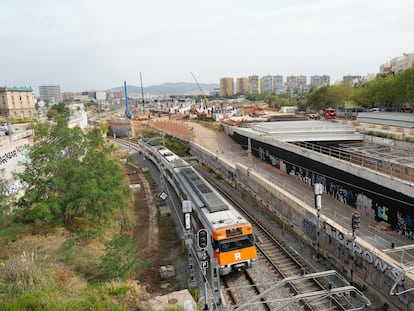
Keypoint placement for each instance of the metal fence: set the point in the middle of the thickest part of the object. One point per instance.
(384, 166)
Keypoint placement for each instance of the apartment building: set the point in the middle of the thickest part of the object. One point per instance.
(318, 81)
(401, 63)
(50, 92)
(254, 84)
(398, 64)
(296, 85)
(226, 87)
(278, 85)
(242, 85)
(351, 79)
(267, 84)
(17, 102)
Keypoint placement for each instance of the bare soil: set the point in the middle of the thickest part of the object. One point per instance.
(155, 236)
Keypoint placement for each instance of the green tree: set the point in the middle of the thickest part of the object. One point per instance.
(57, 110)
(406, 85)
(71, 176)
(329, 96)
(385, 90)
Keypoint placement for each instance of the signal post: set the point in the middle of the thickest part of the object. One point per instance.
(355, 221)
(201, 261)
(188, 240)
(202, 243)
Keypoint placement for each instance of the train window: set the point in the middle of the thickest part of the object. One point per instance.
(233, 244)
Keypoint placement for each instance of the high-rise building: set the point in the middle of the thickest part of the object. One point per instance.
(17, 102)
(242, 85)
(278, 85)
(296, 84)
(254, 84)
(268, 84)
(50, 92)
(226, 87)
(319, 81)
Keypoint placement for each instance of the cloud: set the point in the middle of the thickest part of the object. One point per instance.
(85, 44)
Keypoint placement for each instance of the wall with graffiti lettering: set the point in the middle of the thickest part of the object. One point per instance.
(369, 198)
(12, 158)
(335, 245)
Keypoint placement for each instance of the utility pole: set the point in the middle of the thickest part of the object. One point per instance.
(355, 221)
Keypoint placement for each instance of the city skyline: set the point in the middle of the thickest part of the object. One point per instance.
(96, 45)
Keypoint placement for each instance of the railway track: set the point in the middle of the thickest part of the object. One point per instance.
(279, 261)
(282, 262)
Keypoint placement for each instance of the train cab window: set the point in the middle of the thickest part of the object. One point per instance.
(237, 243)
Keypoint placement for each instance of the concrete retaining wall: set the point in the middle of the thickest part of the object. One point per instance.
(371, 269)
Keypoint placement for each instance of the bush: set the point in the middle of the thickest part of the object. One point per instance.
(120, 257)
(68, 251)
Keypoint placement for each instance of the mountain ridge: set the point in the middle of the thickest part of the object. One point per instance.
(170, 88)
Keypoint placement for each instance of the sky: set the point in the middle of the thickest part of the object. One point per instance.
(97, 44)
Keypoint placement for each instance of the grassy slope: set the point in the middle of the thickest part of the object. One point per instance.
(44, 268)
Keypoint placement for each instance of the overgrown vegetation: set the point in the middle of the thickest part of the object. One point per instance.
(71, 180)
(179, 147)
(67, 243)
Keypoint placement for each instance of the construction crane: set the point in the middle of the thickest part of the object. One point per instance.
(201, 90)
(142, 93)
(128, 112)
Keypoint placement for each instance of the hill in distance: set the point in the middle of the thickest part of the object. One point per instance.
(177, 88)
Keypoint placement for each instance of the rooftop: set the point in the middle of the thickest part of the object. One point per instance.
(307, 130)
(16, 89)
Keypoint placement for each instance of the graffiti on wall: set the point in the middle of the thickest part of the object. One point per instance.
(19, 151)
(382, 275)
(310, 229)
(344, 193)
(405, 225)
(364, 205)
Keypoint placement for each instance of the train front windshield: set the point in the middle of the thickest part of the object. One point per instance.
(236, 243)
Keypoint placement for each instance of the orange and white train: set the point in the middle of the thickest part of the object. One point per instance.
(231, 235)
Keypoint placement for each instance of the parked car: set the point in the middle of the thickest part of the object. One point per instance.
(329, 113)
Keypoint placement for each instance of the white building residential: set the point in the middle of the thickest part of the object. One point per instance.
(398, 64)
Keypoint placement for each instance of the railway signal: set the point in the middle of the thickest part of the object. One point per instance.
(202, 239)
(318, 190)
(356, 219)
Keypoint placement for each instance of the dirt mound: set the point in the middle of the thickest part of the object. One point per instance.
(175, 128)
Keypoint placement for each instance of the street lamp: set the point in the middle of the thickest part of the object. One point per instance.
(318, 190)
